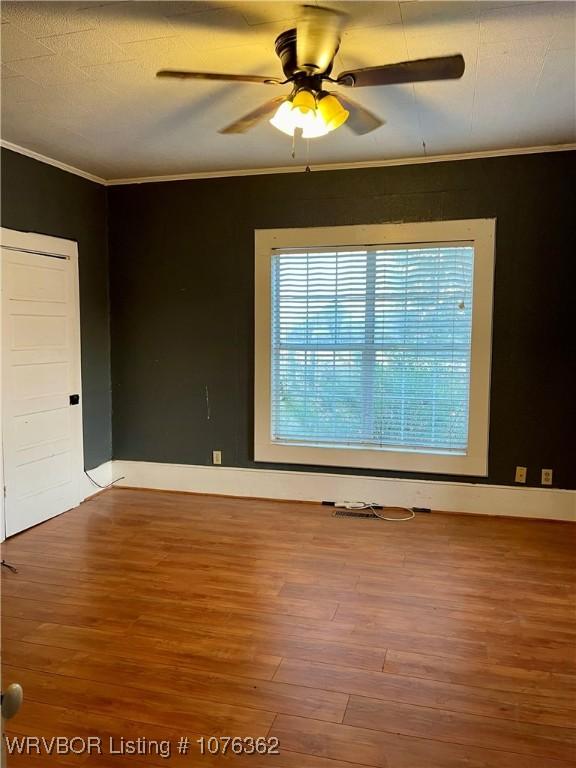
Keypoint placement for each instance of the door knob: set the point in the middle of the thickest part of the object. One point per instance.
(12, 700)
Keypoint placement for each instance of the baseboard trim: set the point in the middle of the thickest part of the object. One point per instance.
(102, 475)
(478, 499)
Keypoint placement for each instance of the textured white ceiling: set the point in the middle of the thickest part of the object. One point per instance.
(78, 81)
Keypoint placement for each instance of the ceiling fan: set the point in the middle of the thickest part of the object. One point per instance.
(307, 57)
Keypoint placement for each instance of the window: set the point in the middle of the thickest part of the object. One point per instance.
(375, 355)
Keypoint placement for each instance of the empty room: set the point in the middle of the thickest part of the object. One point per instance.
(288, 446)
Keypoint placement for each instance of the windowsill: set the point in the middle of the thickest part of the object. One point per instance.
(411, 450)
(363, 458)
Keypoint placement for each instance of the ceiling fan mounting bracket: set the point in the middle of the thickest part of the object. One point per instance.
(285, 47)
(309, 82)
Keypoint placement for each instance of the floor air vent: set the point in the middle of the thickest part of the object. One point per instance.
(363, 513)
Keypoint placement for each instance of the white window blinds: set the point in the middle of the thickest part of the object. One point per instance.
(371, 348)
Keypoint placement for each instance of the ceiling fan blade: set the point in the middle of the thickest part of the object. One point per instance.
(254, 117)
(361, 120)
(182, 74)
(418, 71)
(318, 38)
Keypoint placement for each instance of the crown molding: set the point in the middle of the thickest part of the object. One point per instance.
(292, 168)
(348, 166)
(51, 161)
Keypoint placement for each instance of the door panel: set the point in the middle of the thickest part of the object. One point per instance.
(33, 331)
(42, 432)
(44, 426)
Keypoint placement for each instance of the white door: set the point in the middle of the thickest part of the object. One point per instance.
(41, 409)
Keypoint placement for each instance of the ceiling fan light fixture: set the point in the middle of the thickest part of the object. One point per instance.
(304, 101)
(300, 113)
(315, 128)
(283, 118)
(331, 112)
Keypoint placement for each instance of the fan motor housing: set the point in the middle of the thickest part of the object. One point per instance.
(285, 47)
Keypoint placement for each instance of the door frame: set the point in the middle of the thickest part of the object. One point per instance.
(46, 245)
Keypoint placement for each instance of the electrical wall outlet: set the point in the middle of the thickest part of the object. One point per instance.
(520, 476)
(216, 457)
(546, 477)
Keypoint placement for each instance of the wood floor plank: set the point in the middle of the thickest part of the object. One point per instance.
(464, 624)
(424, 597)
(15, 629)
(506, 705)
(269, 696)
(277, 644)
(242, 622)
(16, 653)
(48, 720)
(481, 674)
(381, 634)
(388, 750)
(433, 581)
(243, 663)
(33, 760)
(288, 759)
(163, 709)
(492, 630)
(16, 586)
(84, 615)
(462, 728)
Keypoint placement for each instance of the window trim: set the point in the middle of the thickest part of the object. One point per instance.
(481, 232)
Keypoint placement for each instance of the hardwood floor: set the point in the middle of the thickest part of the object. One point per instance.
(443, 642)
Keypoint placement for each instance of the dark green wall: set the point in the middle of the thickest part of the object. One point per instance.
(182, 295)
(182, 258)
(40, 198)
